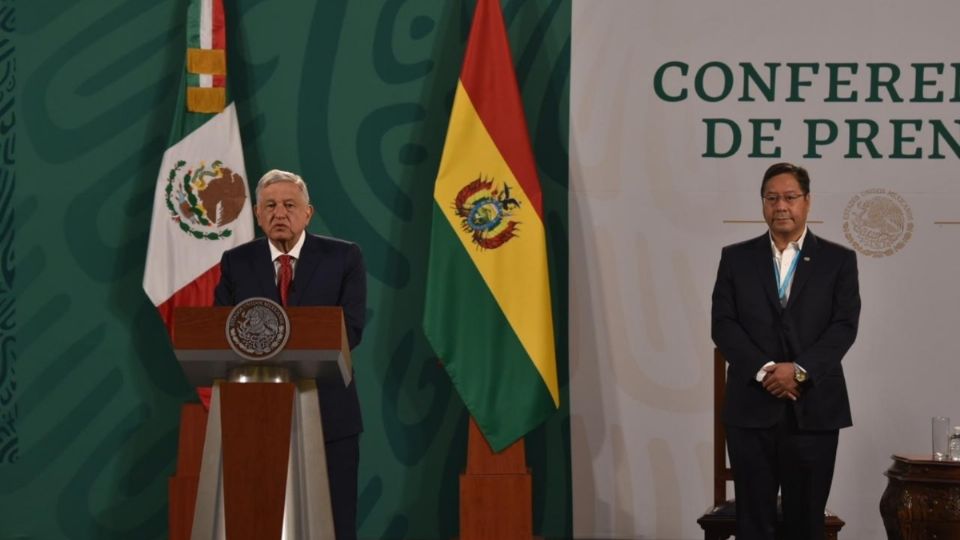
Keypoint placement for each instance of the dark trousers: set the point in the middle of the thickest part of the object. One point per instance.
(798, 463)
(343, 462)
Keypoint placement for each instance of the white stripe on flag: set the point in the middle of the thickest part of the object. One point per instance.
(206, 81)
(206, 24)
(174, 257)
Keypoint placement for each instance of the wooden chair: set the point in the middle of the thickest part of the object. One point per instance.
(720, 520)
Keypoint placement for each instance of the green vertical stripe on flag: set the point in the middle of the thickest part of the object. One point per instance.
(491, 370)
(193, 25)
(184, 121)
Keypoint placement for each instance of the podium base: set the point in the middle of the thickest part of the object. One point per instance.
(182, 487)
(263, 474)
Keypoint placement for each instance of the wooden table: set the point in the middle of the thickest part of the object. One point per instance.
(922, 499)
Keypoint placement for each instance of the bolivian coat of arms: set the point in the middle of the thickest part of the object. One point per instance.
(485, 213)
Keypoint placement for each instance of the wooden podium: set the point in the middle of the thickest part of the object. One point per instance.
(255, 465)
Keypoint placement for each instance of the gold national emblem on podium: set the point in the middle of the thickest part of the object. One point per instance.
(878, 222)
(258, 329)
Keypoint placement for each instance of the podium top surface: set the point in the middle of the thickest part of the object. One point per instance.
(311, 328)
(317, 348)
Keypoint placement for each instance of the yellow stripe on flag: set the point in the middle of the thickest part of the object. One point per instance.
(515, 272)
(206, 100)
(207, 61)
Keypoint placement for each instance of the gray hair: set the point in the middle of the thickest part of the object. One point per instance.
(274, 176)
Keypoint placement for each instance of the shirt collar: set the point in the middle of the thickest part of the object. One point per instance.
(796, 244)
(294, 251)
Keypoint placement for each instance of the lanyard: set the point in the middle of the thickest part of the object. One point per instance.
(782, 289)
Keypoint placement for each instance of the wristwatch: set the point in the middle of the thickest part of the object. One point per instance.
(799, 375)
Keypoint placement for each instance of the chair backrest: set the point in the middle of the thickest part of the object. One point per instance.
(721, 472)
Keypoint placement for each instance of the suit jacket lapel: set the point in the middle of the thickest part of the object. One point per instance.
(310, 256)
(266, 273)
(804, 266)
(764, 264)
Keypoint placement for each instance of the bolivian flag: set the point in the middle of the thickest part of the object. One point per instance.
(488, 313)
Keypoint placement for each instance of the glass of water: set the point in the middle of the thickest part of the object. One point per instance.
(940, 429)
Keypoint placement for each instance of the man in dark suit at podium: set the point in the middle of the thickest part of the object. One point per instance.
(296, 268)
(786, 306)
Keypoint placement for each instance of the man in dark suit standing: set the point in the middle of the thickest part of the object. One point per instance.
(296, 268)
(785, 311)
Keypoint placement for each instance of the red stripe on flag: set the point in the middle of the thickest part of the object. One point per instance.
(219, 35)
(205, 393)
(218, 31)
(489, 79)
(197, 293)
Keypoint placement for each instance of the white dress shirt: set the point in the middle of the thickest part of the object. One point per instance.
(294, 252)
(783, 261)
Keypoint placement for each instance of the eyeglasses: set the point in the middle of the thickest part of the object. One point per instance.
(790, 198)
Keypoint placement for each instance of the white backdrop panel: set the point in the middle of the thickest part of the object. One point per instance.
(649, 215)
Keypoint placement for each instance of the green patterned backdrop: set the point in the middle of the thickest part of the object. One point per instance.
(353, 95)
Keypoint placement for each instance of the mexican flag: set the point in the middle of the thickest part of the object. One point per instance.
(201, 203)
(488, 309)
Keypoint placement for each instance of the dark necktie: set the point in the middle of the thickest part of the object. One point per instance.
(284, 277)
